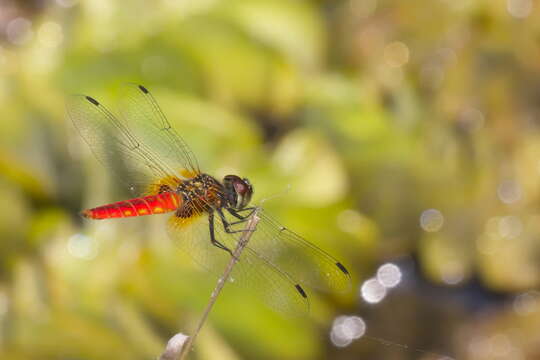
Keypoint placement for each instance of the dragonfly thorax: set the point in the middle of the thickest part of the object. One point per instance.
(199, 194)
(204, 193)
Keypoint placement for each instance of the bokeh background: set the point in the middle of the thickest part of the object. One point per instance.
(402, 136)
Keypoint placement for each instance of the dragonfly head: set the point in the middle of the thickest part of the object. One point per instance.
(238, 191)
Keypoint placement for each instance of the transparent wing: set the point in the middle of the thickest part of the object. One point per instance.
(301, 260)
(252, 271)
(149, 124)
(115, 145)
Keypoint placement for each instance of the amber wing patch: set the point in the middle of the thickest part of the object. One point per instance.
(179, 223)
(188, 173)
(169, 183)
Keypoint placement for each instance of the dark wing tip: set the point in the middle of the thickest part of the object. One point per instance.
(301, 291)
(342, 268)
(143, 89)
(92, 100)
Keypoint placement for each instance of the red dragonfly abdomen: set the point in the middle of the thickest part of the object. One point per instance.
(146, 205)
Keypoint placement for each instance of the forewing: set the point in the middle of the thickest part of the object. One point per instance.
(116, 147)
(252, 271)
(304, 262)
(149, 124)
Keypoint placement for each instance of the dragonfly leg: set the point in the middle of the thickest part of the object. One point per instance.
(213, 235)
(242, 218)
(227, 225)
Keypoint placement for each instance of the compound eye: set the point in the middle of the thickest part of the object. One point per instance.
(240, 187)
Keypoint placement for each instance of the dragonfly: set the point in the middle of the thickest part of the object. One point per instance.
(208, 217)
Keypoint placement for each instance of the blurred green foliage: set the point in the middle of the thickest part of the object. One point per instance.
(372, 111)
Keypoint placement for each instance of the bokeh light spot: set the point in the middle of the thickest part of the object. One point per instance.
(349, 221)
(452, 272)
(19, 31)
(431, 220)
(519, 8)
(396, 54)
(526, 303)
(389, 275)
(499, 345)
(345, 329)
(50, 34)
(372, 291)
(510, 227)
(509, 191)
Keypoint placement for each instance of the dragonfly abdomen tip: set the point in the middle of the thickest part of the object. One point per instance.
(86, 214)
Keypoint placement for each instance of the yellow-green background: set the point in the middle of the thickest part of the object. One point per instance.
(360, 114)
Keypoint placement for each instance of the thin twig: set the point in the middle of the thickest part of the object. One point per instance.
(244, 239)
